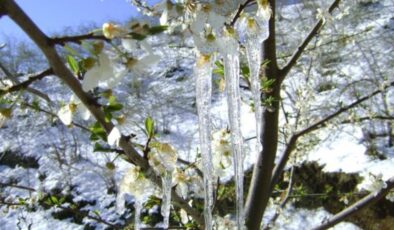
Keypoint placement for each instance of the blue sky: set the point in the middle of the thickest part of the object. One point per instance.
(54, 15)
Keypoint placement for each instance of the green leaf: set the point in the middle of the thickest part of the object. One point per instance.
(137, 36)
(99, 148)
(219, 68)
(54, 200)
(96, 212)
(157, 29)
(73, 64)
(245, 71)
(114, 107)
(71, 50)
(97, 132)
(149, 127)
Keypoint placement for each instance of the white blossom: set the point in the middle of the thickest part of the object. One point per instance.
(114, 137)
(373, 183)
(66, 112)
(134, 183)
(111, 30)
(225, 223)
(221, 148)
(162, 158)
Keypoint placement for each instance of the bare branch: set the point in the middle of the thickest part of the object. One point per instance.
(367, 201)
(16, 81)
(298, 52)
(240, 9)
(78, 39)
(293, 140)
(27, 83)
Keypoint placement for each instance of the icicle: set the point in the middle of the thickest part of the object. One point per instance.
(230, 52)
(253, 51)
(137, 213)
(203, 73)
(166, 201)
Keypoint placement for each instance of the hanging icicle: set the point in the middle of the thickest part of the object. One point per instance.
(255, 31)
(137, 214)
(166, 200)
(163, 158)
(253, 51)
(203, 73)
(230, 52)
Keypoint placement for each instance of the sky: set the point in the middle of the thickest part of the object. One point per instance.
(54, 15)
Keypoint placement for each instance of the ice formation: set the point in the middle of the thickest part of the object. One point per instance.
(230, 52)
(203, 73)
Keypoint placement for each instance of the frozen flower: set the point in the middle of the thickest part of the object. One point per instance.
(134, 183)
(205, 44)
(390, 196)
(129, 44)
(263, 9)
(221, 148)
(184, 217)
(111, 30)
(228, 43)
(225, 223)
(206, 16)
(181, 181)
(252, 29)
(225, 7)
(162, 158)
(373, 183)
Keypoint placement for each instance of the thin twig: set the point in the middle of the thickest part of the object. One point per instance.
(298, 52)
(293, 140)
(28, 82)
(240, 9)
(367, 201)
(78, 38)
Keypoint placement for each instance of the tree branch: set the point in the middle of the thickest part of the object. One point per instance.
(259, 189)
(78, 39)
(298, 52)
(60, 69)
(293, 140)
(367, 201)
(14, 80)
(27, 83)
(240, 9)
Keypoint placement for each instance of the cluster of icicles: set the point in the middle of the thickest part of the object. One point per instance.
(253, 34)
(214, 40)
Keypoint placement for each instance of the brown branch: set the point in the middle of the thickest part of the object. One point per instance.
(293, 140)
(367, 201)
(78, 39)
(60, 69)
(298, 52)
(367, 118)
(15, 81)
(17, 186)
(27, 83)
(240, 9)
(259, 189)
